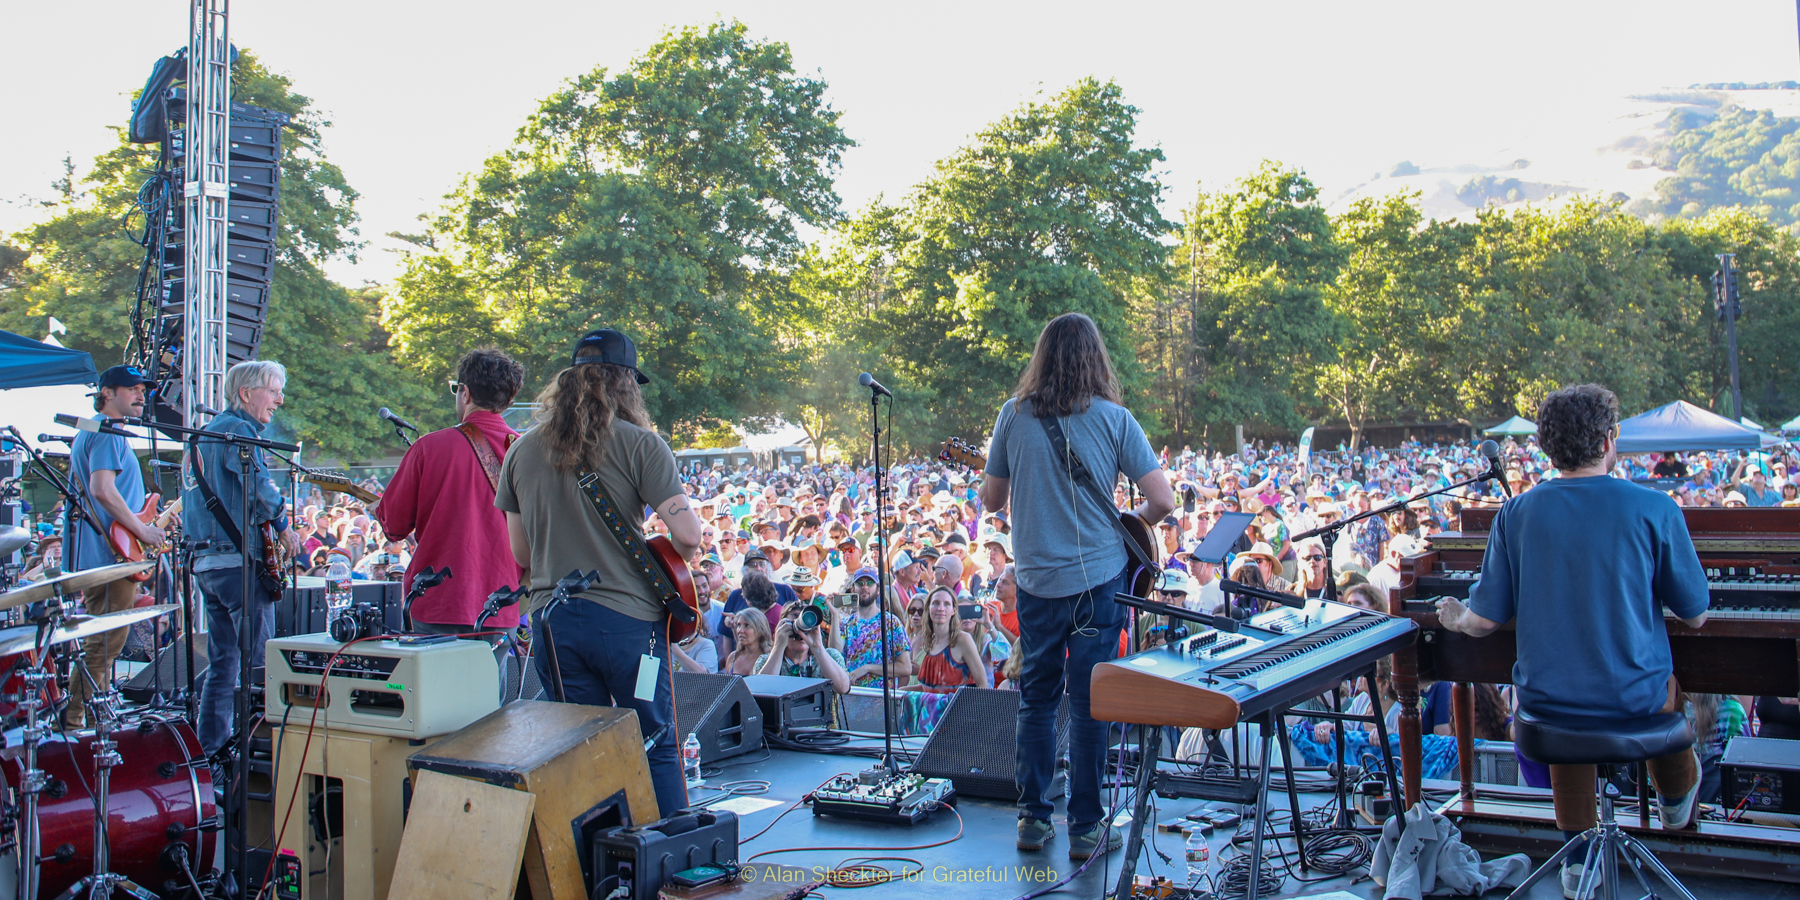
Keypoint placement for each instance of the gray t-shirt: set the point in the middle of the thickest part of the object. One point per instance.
(566, 533)
(1064, 541)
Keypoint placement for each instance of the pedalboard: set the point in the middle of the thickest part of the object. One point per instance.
(876, 796)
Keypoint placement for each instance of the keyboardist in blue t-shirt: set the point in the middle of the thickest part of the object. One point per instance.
(1585, 564)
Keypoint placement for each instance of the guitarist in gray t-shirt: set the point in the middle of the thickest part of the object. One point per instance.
(1070, 559)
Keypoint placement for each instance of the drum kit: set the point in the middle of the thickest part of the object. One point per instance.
(146, 816)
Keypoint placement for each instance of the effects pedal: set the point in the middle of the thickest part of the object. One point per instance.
(875, 796)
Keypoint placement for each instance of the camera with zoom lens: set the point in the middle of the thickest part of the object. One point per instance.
(359, 621)
(813, 613)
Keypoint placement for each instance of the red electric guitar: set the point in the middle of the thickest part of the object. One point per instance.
(129, 548)
(662, 550)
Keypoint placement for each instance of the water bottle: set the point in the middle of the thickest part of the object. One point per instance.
(1198, 853)
(337, 587)
(690, 761)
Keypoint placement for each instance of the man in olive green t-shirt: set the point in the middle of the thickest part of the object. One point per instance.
(608, 645)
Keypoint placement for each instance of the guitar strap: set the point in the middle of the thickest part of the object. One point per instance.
(633, 545)
(1077, 470)
(484, 452)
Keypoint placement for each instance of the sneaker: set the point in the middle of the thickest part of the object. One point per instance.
(1082, 846)
(1035, 833)
(1571, 881)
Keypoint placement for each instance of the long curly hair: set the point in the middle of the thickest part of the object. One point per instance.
(577, 408)
(1069, 367)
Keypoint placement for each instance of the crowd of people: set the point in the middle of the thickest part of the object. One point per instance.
(787, 564)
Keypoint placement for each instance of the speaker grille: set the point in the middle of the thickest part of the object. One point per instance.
(975, 744)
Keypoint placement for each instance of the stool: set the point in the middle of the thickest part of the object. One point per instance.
(1574, 740)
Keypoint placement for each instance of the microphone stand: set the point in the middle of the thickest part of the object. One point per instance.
(400, 432)
(1329, 533)
(238, 789)
(881, 585)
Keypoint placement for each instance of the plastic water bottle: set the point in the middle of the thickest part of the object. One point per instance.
(1198, 857)
(690, 761)
(337, 587)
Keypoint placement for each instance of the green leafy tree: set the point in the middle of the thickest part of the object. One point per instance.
(83, 264)
(1263, 256)
(1052, 209)
(665, 201)
(1739, 157)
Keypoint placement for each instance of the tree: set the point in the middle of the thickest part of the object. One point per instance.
(1052, 209)
(1262, 255)
(83, 267)
(665, 201)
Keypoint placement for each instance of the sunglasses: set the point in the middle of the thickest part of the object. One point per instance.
(455, 387)
(1312, 558)
(915, 612)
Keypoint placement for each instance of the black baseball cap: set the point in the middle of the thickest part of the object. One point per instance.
(123, 376)
(608, 346)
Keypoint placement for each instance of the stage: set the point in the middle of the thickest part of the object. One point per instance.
(984, 864)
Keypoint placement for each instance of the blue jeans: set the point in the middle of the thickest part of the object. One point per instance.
(1062, 639)
(595, 650)
(223, 590)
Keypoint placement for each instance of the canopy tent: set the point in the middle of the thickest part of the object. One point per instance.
(1792, 424)
(1681, 426)
(27, 363)
(1517, 425)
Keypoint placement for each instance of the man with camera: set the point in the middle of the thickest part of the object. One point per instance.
(863, 650)
(802, 646)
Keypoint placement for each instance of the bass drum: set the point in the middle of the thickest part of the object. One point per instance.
(161, 792)
(12, 671)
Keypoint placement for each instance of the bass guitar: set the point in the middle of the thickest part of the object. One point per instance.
(129, 548)
(1143, 577)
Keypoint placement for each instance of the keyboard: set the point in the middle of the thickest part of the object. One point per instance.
(1214, 679)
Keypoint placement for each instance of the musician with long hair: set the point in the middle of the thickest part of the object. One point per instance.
(1069, 560)
(593, 647)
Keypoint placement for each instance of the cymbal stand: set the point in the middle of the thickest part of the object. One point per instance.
(101, 884)
(33, 781)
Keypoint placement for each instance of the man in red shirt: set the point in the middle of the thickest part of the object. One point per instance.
(443, 493)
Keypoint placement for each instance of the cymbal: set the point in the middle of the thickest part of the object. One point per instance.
(12, 538)
(72, 582)
(75, 628)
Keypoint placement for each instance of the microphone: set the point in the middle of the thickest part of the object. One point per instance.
(388, 414)
(47, 438)
(868, 381)
(98, 424)
(1491, 451)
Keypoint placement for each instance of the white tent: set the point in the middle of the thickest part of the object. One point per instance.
(1792, 424)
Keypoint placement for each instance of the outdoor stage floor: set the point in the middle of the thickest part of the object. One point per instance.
(984, 864)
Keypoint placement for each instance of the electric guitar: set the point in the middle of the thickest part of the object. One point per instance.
(129, 548)
(274, 559)
(1142, 578)
(663, 553)
(342, 483)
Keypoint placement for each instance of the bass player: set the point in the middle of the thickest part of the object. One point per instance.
(212, 499)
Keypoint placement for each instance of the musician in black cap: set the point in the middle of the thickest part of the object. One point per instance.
(106, 475)
(608, 645)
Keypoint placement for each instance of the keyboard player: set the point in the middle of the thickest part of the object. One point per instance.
(1585, 564)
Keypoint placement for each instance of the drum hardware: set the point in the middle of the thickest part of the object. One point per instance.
(104, 881)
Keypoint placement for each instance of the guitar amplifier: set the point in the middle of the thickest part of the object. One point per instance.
(409, 687)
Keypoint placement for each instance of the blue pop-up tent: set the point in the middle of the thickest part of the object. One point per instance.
(1683, 427)
(27, 363)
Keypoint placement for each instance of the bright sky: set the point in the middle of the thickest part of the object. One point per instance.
(420, 92)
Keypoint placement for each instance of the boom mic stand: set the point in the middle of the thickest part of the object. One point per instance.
(888, 761)
(1329, 533)
(237, 789)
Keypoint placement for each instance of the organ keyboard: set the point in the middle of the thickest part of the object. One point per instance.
(1213, 679)
(1747, 646)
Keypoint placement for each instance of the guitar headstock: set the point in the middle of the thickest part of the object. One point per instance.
(342, 483)
(956, 449)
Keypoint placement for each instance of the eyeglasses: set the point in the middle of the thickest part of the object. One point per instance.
(455, 387)
(1312, 558)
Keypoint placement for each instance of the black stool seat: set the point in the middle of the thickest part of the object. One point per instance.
(1581, 740)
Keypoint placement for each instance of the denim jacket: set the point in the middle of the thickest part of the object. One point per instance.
(219, 461)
